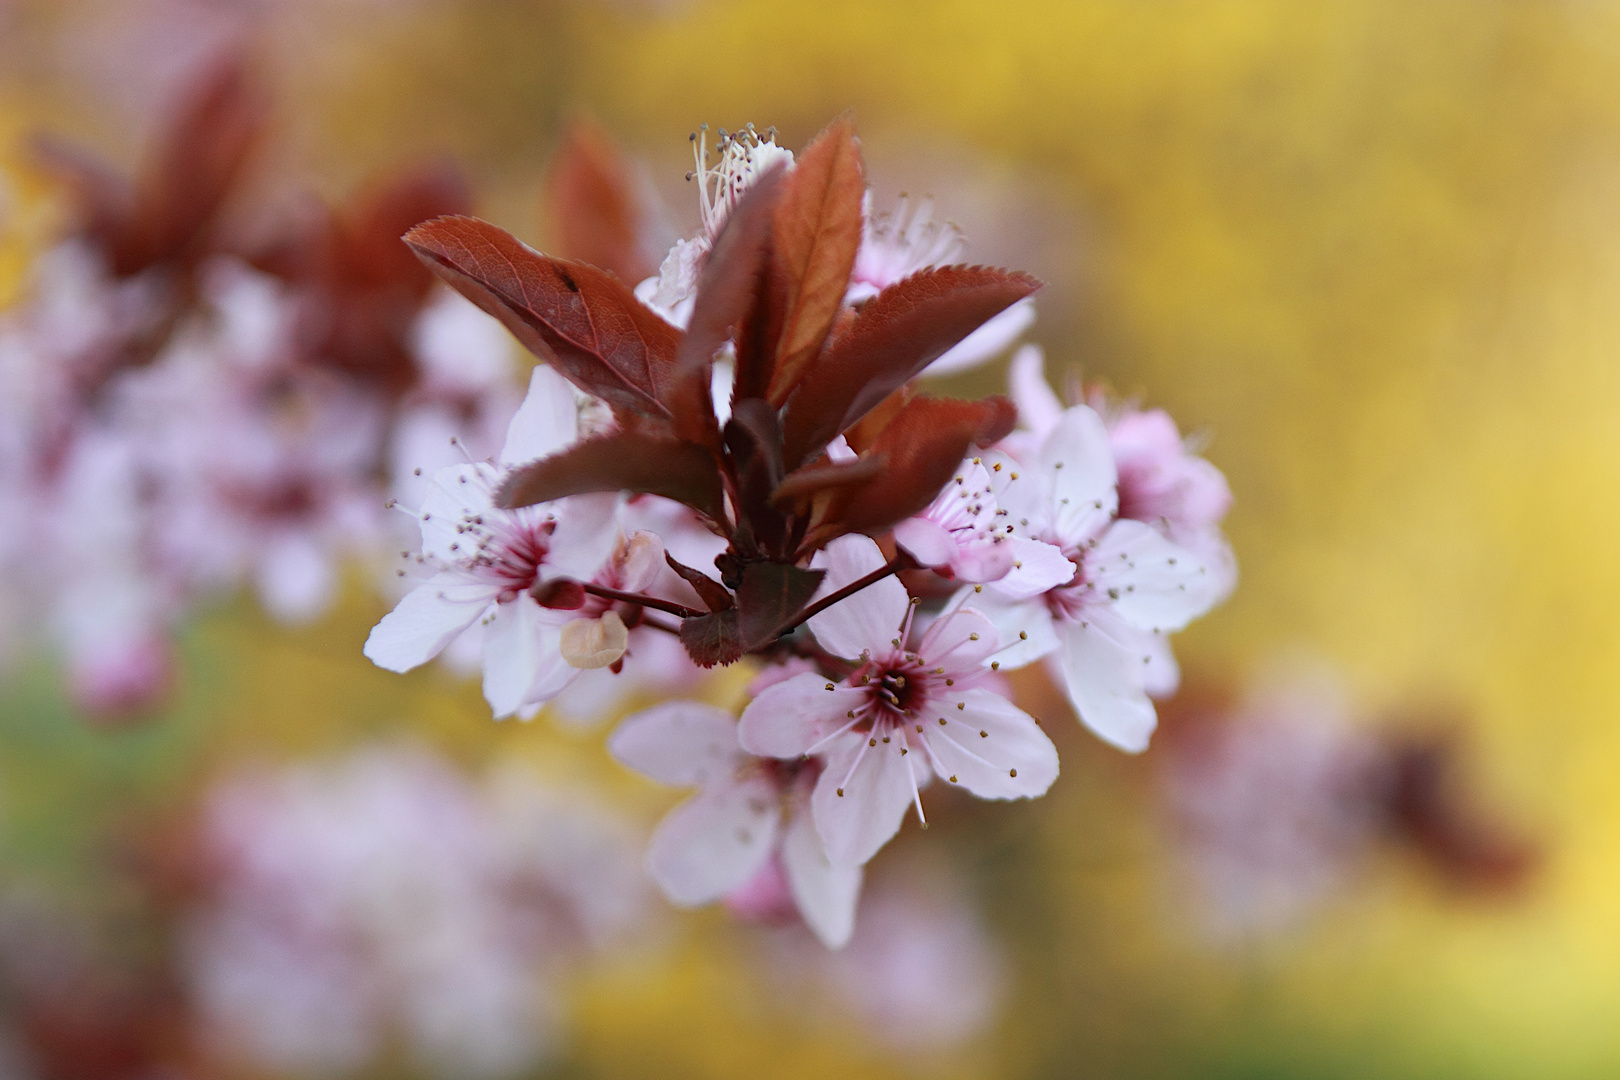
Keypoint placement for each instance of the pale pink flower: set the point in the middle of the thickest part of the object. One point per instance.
(751, 817)
(1274, 808)
(385, 901)
(930, 700)
(1130, 584)
(1161, 481)
(487, 560)
(965, 534)
(896, 245)
(744, 156)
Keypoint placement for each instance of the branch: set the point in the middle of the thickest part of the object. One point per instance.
(900, 562)
(653, 602)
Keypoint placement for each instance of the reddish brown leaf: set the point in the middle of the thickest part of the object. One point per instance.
(621, 461)
(583, 320)
(714, 595)
(712, 639)
(104, 202)
(770, 595)
(795, 492)
(208, 143)
(816, 233)
(923, 446)
(594, 214)
(896, 334)
(732, 282)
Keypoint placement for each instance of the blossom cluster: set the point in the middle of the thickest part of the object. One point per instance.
(880, 555)
(197, 394)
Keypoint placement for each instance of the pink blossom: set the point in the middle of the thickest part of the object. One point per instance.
(750, 816)
(487, 561)
(898, 244)
(385, 901)
(965, 534)
(930, 700)
(1130, 584)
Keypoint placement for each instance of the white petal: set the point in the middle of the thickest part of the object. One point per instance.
(457, 491)
(1106, 683)
(553, 674)
(511, 654)
(857, 812)
(992, 748)
(826, 895)
(547, 421)
(926, 542)
(714, 842)
(587, 528)
(1077, 462)
(987, 341)
(871, 618)
(1038, 407)
(424, 622)
(1037, 567)
(790, 718)
(1152, 583)
(959, 640)
(1161, 675)
(1023, 626)
(682, 743)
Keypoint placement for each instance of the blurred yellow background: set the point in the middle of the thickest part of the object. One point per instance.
(1371, 248)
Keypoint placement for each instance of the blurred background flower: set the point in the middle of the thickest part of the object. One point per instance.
(1364, 250)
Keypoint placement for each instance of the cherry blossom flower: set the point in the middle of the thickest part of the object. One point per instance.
(898, 244)
(897, 700)
(744, 156)
(386, 900)
(1275, 808)
(965, 534)
(1161, 481)
(488, 560)
(747, 835)
(1106, 626)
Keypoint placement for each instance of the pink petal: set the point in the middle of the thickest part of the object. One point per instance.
(853, 825)
(790, 718)
(1038, 407)
(1106, 682)
(714, 842)
(681, 743)
(992, 748)
(868, 620)
(927, 542)
(1036, 568)
(1078, 464)
(547, 421)
(960, 640)
(424, 622)
(1153, 583)
(1024, 626)
(511, 654)
(826, 895)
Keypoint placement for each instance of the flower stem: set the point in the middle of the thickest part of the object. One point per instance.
(900, 562)
(653, 602)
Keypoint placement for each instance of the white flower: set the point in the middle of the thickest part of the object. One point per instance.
(930, 700)
(896, 245)
(965, 534)
(749, 812)
(744, 156)
(386, 902)
(487, 561)
(1130, 584)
